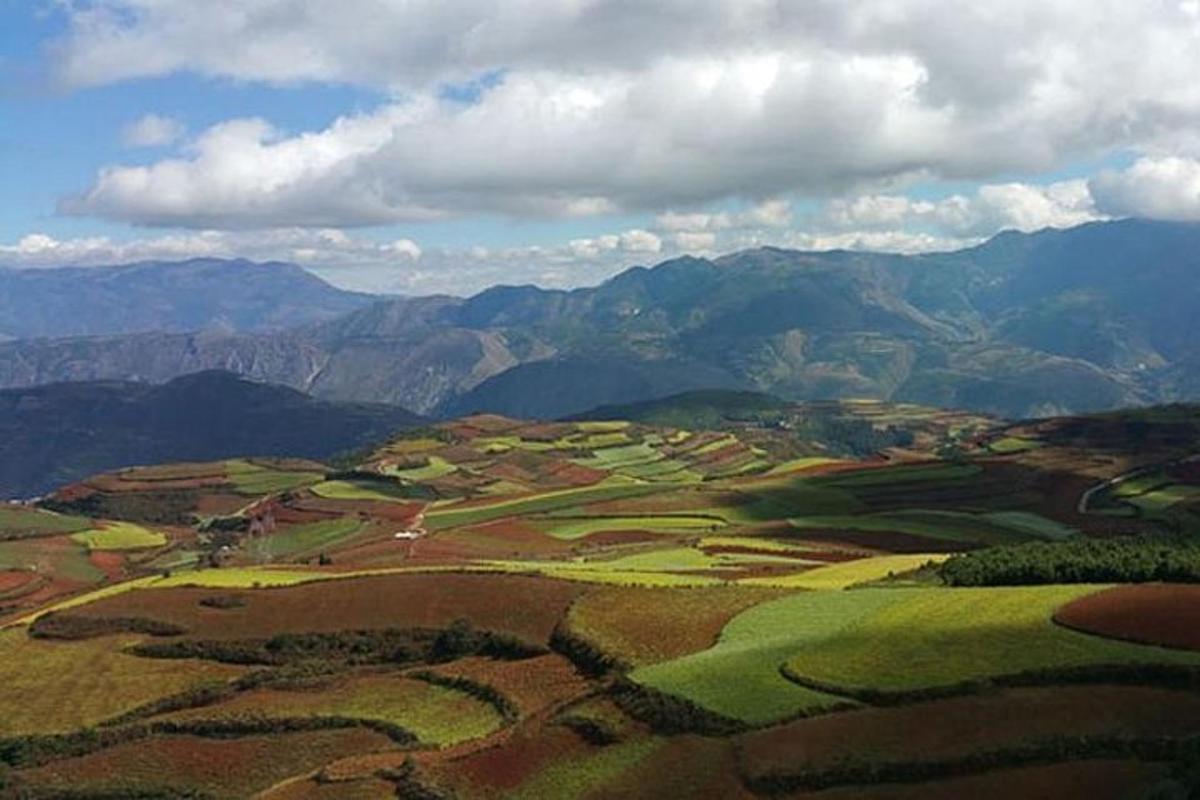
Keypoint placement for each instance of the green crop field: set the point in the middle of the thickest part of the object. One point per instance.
(58, 557)
(988, 528)
(576, 528)
(1009, 445)
(436, 467)
(119, 536)
(310, 536)
(739, 677)
(353, 490)
(437, 715)
(850, 573)
(900, 639)
(55, 687)
(540, 503)
(252, 479)
(18, 521)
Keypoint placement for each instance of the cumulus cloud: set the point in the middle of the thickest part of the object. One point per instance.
(992, 207)
(605, 105)
(152, 130)
(1159, 187)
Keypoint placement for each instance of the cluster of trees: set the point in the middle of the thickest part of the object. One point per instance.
(854, 437)
(1124, 559)
(383, 646)
(169, 507)
(57, 625)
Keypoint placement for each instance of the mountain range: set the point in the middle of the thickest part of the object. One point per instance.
(1099, 316)
(193, 295)
(55, 434)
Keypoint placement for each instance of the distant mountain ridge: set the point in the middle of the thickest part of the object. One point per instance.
(1090, 318)
(192, 295)
(55, 434)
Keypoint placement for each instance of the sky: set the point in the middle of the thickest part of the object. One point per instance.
(421, 146)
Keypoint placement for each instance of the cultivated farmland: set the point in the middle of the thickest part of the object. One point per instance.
(497, 608)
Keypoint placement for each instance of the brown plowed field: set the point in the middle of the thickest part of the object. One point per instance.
(527, 607)
(1166, 614)
(955, 727)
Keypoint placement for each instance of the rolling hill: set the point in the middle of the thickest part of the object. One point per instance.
(51, 435)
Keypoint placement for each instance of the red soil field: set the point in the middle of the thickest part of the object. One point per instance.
(524, 606)
(219, 504)
(883, 541)
(400, 512)
(1152, 613)
(534, 684)
(119, 483)
(110, 562)
(646, 625)
(967, 724)
(618, 537)
(316, 789)
(219, 767)
(14, 581)
(497, 771)
(1078, 780)
(504, 539)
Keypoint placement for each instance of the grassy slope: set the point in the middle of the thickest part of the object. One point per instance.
(119, 536)
(898, 639)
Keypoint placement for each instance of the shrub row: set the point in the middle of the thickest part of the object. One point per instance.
(1174, 676)
(32, 751)
(300, 676)
(589, 659)
(1122, 559)
(57, 625)
(667, 714)
(1045, 751)
(481, 691)
(593, 731)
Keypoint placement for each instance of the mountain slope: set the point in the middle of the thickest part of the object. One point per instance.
(55, 434)
(190, 295)
(1085, 319)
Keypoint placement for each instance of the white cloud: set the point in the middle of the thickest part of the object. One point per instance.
(1019, 206)
(152, 130)
(1158, 187)
(606, 105)
(695, 241)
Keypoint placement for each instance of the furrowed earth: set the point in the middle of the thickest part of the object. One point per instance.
(492, 607)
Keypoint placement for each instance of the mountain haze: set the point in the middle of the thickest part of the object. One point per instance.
(235, 295)
(1089, 318)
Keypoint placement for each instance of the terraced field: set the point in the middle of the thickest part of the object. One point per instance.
(497, 608)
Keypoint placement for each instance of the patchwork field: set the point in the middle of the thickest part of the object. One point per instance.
(492, 608)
